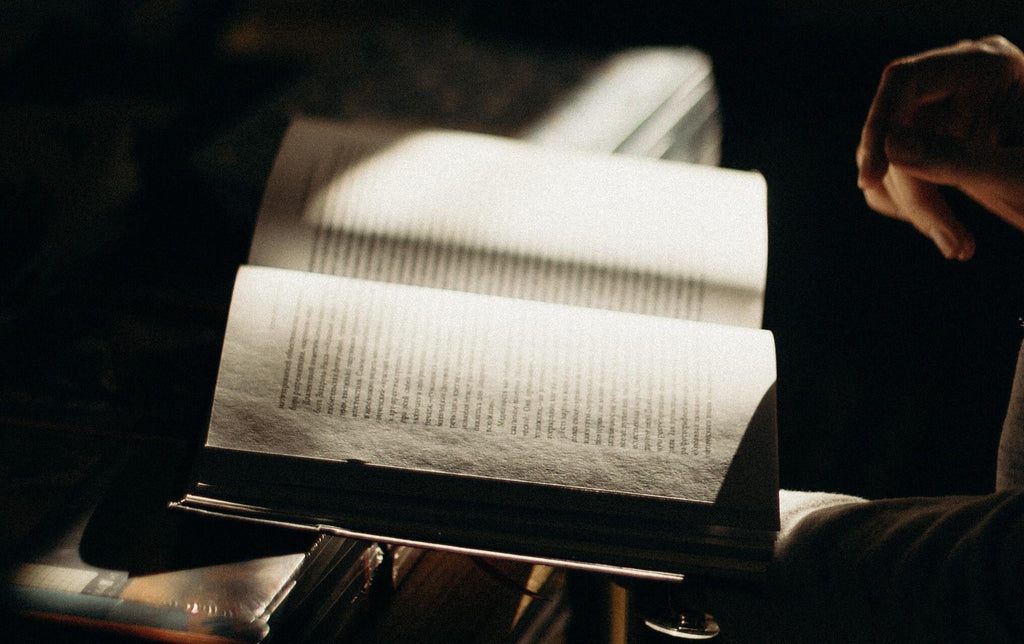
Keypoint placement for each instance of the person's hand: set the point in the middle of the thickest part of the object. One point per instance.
(952, 116)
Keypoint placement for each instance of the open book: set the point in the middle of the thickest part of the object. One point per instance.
(475, 343)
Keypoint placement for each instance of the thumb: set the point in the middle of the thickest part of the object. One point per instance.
(989, 174)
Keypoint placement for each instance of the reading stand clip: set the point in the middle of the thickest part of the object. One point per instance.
(676, 609)
(689, 626)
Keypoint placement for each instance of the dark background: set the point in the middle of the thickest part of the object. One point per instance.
(136, 136)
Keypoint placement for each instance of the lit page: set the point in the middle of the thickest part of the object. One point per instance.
(335, 368)
(498, 216)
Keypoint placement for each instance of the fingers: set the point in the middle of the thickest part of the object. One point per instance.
(906, 84)
(871, 158)
(920, 203)
(909, 86)
(947, 117)
(903, 196)
(897, 93)
(991, 175)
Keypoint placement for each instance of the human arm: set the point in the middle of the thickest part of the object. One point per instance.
(915, 569)
(954, 117)
(919, 569)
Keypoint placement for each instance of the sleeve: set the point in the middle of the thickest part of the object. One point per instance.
(903, 570)
(1010, 462)
(926, 569)
(914, 569)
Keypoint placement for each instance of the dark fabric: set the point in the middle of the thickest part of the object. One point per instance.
(911, 569)
(905, 570)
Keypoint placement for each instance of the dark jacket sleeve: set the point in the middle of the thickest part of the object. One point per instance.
(904, 570)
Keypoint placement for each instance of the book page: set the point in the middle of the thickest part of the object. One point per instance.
(499, 216)
(342, 369)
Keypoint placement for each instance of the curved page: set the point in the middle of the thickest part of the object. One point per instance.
(491, 215)
(342, 369)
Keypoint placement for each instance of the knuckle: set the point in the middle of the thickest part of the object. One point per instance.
(996, 43)
(899, 70)
(996, 54)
